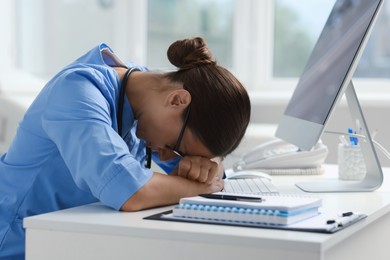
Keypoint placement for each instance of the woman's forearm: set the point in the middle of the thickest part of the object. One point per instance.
(162, 190)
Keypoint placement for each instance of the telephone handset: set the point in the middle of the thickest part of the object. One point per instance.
(281, 155)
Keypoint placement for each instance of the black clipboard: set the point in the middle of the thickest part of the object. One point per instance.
(322, 223)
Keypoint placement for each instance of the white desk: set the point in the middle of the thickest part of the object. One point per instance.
(97, 232)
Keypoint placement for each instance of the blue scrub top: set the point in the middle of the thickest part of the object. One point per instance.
(67, 151)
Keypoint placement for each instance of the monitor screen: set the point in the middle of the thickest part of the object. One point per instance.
(328, 71)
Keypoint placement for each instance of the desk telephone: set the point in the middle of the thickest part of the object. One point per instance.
(279, 157)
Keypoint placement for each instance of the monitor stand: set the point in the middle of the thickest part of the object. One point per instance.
(374, 176)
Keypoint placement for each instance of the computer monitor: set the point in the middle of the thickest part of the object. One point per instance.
(326, 77)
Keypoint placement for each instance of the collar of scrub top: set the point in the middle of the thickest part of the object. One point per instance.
(148, 162)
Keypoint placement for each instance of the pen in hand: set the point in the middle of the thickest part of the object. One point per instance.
(231, 197)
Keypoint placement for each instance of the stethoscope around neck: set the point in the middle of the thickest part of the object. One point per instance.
(121, 101)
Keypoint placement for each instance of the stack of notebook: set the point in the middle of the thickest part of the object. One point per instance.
(270, 210)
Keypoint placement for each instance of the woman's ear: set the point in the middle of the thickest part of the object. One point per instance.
(178, 98)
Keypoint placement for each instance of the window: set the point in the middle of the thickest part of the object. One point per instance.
(170, 20)
(375, 62)
(297, 28)
(264, 42)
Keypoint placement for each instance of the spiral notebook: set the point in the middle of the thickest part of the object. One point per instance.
(277, 212)
(274, 210)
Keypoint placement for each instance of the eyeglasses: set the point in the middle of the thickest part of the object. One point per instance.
(175, 149)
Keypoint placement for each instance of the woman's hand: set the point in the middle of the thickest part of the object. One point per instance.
(216, 185)
(200, 169)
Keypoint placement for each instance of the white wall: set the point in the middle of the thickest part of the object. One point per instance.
(7, 32)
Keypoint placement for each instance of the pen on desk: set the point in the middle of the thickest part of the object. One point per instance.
(350, 131)
(356, 140)
(347, 214)
(341, 220)
(231, 197)
(353, 139)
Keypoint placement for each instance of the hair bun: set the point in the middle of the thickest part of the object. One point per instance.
(190, 53)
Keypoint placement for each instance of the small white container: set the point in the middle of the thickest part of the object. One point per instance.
(351, 162)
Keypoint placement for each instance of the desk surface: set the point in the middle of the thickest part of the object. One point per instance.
(99, 220)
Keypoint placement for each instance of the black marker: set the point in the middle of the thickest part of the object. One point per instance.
(231, 197)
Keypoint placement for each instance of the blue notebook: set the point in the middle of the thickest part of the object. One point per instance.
(276, 210)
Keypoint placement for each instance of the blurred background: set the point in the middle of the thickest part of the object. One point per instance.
(264, 43)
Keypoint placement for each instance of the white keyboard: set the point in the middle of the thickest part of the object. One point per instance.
(255, 186)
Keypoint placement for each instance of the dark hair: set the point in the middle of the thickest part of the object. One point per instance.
(220, 105)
